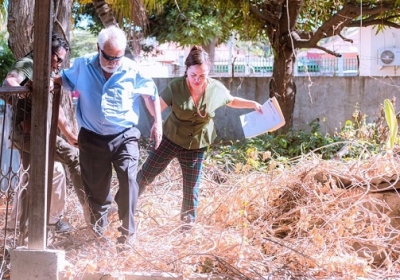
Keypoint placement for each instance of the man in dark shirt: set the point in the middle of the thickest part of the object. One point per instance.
(21, 74)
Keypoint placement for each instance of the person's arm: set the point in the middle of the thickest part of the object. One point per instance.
(13, 79)
(65, 129)
(57, 80)
(72, 138)
(242, 103)
(150, 107)
(154, 107)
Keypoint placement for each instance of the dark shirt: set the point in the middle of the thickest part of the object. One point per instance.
(23, 106)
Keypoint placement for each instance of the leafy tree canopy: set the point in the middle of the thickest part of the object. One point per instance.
(6, 56)
(86, 18)
(288, 25)
(192, 22)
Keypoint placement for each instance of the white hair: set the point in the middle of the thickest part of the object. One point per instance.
(113, 36)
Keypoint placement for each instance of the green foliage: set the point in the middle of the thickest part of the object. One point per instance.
(86, 18)
(82, 42)
(6, 57)
(189, 24)
(259, 151)
(358, 128)
(391, 120)
(357, 139)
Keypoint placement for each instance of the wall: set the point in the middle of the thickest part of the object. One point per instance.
(371, 43)
(331, 99)
(334, 99)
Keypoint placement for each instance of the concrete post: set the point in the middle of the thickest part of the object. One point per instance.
(36, 264)
(340, 62)
(231, 45)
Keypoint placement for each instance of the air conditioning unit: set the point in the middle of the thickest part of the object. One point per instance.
(389, 57)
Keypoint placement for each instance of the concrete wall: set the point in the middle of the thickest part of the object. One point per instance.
(331, 99)
(334, 99)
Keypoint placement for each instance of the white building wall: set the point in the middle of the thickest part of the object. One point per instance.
(370, 44)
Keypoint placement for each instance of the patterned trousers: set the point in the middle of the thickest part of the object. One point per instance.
(191, 163)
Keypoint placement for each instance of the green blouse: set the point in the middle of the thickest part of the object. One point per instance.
(183, 125)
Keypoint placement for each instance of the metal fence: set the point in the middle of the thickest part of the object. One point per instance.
(255, 66)
(13, 175)
(9, 159)
(303, 66)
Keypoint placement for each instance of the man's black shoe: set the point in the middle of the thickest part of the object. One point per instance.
(125, 243)
(61, 227)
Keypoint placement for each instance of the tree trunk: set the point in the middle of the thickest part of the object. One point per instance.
(105, 13)
(20, 26)
(282, 84)
(20, 18)
(210, 49)
(62, 26)
(134, 39)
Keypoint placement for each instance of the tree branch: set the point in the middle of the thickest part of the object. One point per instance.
(364, 23)
(331, 27)
(305, 44)
(56, 21)
(328, 51)
(345, 39)
(337, 22)
(304, 35)
(269, 19)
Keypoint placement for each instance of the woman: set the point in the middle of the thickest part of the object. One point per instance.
(189, 128)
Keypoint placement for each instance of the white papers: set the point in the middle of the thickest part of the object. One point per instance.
(255, 123)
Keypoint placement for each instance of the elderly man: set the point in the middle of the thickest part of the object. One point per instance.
(109, 86)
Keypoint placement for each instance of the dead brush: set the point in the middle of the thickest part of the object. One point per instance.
(314, 219)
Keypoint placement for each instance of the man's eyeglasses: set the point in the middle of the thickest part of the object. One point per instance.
(109, 57)
(59, 59)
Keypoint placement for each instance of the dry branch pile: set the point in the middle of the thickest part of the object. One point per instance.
(313, 219)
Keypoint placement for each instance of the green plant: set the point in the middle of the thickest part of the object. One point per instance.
(82, 42)
(357, 139)
(6, 56)
(391, 120)
(258, 152)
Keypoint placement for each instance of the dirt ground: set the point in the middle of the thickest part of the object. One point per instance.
(291, 221)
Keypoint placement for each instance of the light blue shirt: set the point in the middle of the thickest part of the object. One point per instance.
(107, 106)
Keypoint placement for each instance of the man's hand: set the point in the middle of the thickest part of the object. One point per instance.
(26, 126)
(72, 139)
(156, 134)
(57, 80)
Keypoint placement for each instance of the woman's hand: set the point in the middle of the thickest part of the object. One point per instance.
(156, 134)
(257, 107)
